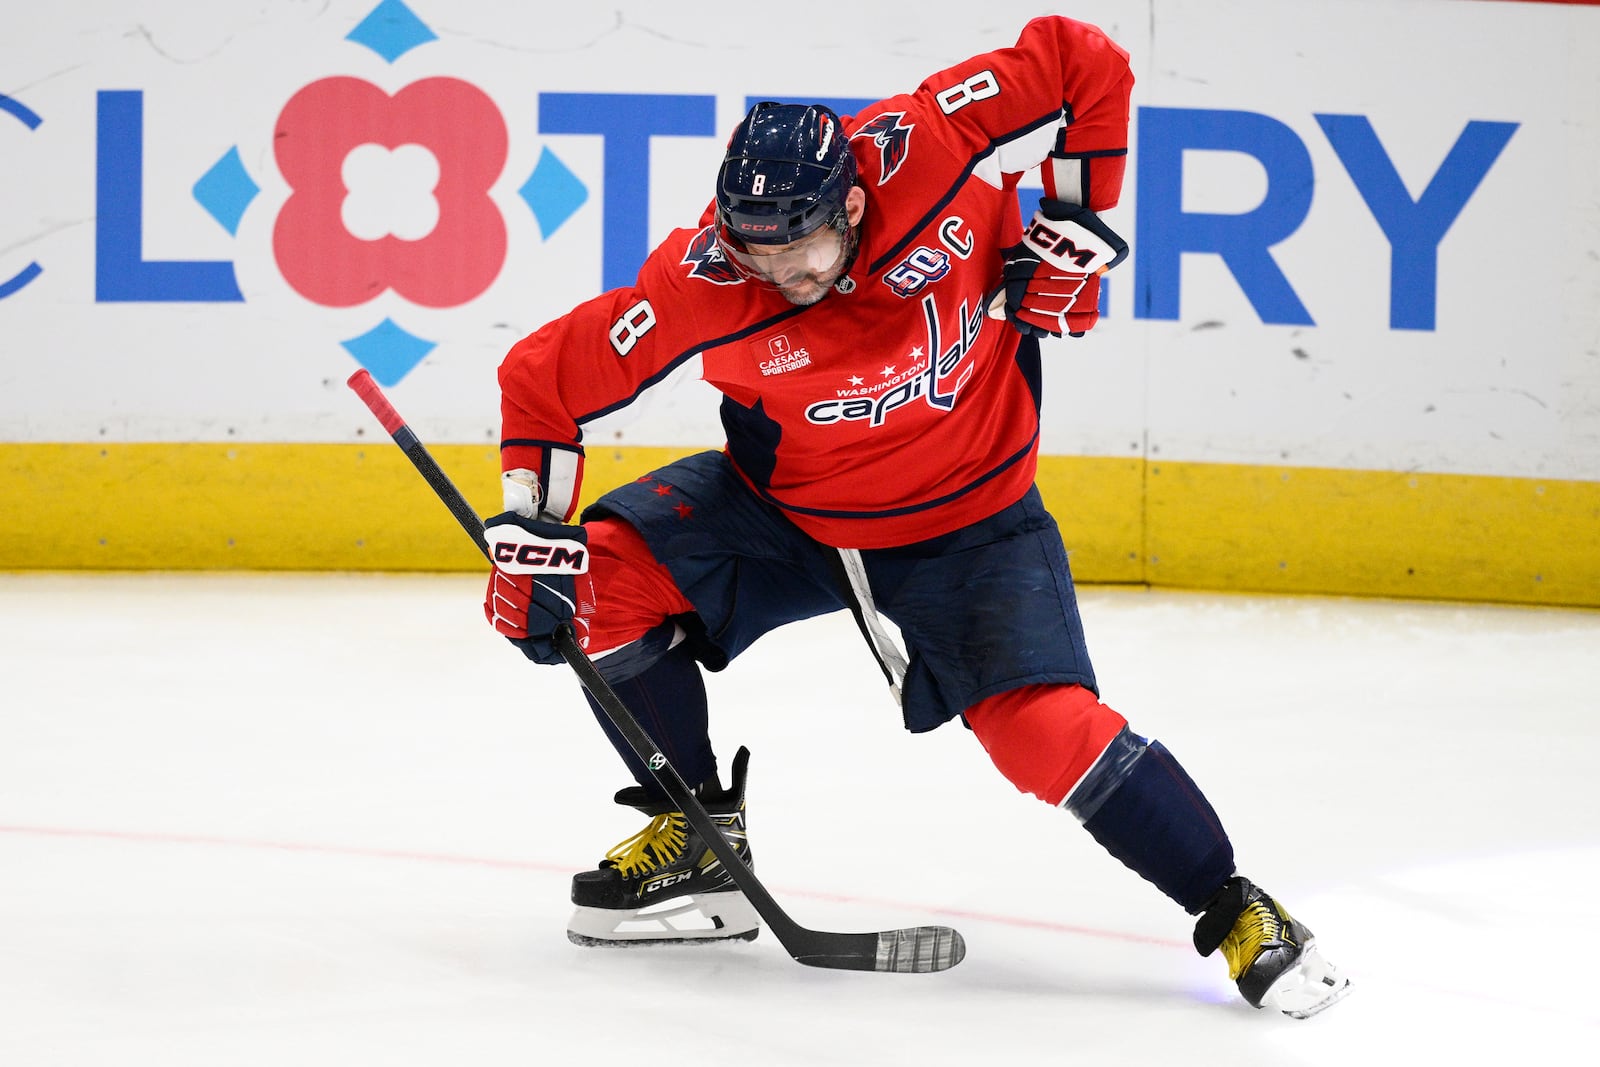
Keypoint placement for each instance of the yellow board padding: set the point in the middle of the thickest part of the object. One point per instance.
(251, 506)
(1373, 533)
(1099, 504)
(1125, 520)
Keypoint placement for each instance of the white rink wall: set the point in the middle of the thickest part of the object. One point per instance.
(1356, 347)
(1269, 312)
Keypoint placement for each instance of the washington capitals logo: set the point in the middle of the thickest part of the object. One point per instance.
(706, 262)
(892, 135)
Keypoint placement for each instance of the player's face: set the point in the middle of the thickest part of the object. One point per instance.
(803, 271)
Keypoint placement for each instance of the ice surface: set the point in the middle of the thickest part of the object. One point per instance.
(330, 819)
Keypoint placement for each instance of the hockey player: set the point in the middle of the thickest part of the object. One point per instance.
(865, 297)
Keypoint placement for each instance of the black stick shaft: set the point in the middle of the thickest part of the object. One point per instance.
(367, 389)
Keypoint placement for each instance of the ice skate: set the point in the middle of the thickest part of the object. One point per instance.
(664, 885)
(1272, 957)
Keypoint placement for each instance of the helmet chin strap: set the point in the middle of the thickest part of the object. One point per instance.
(845, 283)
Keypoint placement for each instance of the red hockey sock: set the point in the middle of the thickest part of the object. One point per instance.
(1044, 738)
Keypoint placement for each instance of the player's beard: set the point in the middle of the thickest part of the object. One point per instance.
(809, 289)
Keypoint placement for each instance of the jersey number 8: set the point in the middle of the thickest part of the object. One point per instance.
(981, 86)
(634, 324)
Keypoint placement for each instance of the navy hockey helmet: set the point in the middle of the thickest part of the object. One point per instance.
(786, 173)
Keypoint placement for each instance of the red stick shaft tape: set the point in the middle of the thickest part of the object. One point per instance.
(367, 389)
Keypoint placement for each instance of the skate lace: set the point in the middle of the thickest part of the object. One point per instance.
(1252, 931)
(659, 843)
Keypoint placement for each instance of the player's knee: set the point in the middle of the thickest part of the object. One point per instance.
(634, 594)
(1044, 738)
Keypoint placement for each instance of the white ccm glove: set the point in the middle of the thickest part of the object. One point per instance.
(540, 580)
(1050, 283)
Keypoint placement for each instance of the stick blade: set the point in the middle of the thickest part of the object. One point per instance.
(920, 950)
(913, 950)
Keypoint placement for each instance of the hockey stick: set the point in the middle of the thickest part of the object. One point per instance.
(917, 949)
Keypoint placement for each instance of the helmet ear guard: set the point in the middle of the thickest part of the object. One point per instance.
(787, 172)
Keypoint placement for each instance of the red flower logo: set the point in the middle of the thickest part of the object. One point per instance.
(455, 261)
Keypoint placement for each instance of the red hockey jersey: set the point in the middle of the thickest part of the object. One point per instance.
(893, 409)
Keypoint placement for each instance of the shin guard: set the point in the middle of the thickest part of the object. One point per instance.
(1068, 749)
(661, 684)
(1158, 823)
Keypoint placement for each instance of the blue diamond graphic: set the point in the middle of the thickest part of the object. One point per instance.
(391, 30)
(226, 190)
(553, 192)
(388, 351)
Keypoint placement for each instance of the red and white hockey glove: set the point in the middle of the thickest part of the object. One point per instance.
(1050, 283)
(540, 581)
